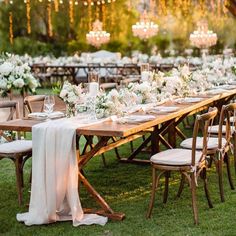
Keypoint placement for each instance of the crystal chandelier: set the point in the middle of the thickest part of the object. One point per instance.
(145, 28)
(202, 37)
(97, 36)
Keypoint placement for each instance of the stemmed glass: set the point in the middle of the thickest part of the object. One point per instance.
(49, 102)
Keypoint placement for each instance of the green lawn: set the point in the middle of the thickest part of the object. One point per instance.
(126, 187)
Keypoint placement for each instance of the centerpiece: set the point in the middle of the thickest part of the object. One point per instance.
(14, 74)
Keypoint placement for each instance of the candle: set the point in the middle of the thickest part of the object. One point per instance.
(145, 75)
(93, 89)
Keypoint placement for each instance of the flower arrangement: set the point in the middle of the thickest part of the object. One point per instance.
(14, 74)
(109, 104)
(71, 95)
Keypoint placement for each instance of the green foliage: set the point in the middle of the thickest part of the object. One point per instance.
(56, 89)
(174, 28)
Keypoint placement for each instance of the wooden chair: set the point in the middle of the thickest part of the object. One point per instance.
(228, 127)
(16, 150)
(190, 163)
(30, 102)
(218, 147)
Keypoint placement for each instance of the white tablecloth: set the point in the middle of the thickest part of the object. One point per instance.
(54, 190)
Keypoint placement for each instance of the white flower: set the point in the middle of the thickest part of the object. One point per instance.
(6, 68)
(3, 84)
(18, 83)
(63, 93)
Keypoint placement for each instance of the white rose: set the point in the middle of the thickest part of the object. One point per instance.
(3, 84)
(33, 83)
(63, 93)
(72, 98)
(6, 68)
(18, 83)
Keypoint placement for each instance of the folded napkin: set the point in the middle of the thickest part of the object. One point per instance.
(43, 115)
(54, 189)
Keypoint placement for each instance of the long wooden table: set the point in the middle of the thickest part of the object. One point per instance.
(112, 135)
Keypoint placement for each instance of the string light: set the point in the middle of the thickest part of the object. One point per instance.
(28, 8)
(11, 36)
(49, 15)
(71, 12)
(56, 5)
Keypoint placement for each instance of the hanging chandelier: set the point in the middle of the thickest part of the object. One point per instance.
(97, 36)
(202, 37)
(145, 28)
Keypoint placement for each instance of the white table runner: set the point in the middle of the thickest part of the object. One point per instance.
(54, 190)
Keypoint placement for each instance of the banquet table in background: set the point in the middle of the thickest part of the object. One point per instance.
(79, 72)
(112, 134)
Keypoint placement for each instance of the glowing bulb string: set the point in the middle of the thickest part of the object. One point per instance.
(11, 36)
(71, 12)
(49, 16)
(56, 5)
(28, 9)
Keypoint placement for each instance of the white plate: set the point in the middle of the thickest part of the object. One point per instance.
(136, 118)
(56, 114)
(38, 115)
(189, 100)
(44, 116)
(164, 109)
(216, 91)
(228, 87)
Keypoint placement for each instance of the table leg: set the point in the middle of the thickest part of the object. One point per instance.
(106, 209)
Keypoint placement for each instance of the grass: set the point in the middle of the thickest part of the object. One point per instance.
(126, 187)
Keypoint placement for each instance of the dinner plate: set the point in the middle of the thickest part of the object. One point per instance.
(38, 115)
(228, 86)
(216, 91)
(164, 109)
(136, 118)
(189, 100)
(44, 116)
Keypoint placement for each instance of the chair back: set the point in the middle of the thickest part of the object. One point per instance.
(34, 103)
(202, 124)
(227, 117)
(14, 113)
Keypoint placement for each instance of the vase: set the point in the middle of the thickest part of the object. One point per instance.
(70, 110)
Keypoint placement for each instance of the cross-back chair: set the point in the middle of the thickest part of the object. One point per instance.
(219, 146)
(13, 148)
(30, 102)
(189, 163)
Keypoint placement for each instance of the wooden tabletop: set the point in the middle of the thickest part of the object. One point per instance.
(111, 128)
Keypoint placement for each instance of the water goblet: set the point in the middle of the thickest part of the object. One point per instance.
(49, 102)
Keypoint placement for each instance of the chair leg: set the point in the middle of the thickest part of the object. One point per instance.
(227, 161)
(194, 198)
(154, 186)
(132, 146)
(166, 191)
(210, 162)
(104, 160)
(204, 177)
(219, 165)
(234, 150)
(181, 186)
(18, 179)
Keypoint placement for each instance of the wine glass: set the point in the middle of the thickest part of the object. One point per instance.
(49, 102)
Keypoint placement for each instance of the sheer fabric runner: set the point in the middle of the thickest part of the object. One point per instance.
(54, 190)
